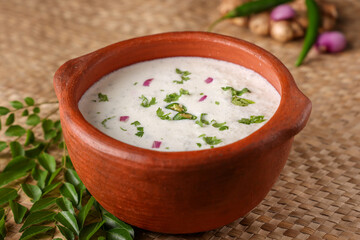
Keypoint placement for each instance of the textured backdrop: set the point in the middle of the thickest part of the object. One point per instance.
(318, 193)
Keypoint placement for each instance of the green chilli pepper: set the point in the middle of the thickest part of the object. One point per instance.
(311, 31)
(176, 107)
(181, 116)
(249, 8)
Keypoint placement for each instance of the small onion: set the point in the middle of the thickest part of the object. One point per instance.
(202, 98)
(147, 82)
(331, 42)
(124, 118)
(209, 80)
(282, 12)
(156, 144)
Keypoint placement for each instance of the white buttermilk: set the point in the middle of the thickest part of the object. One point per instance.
(178, 135)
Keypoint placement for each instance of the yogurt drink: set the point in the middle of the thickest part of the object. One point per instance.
(180, 103)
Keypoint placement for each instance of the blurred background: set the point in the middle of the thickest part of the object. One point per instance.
(318, 193)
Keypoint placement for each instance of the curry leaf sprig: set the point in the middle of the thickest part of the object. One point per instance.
(60, 202)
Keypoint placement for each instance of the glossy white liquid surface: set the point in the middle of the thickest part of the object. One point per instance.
(178, 135)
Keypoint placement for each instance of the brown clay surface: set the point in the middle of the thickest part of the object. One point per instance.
(318, 193)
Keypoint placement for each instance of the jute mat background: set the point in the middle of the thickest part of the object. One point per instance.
(318, 193)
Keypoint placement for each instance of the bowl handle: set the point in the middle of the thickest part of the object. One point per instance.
(69, 70)
(297, 114)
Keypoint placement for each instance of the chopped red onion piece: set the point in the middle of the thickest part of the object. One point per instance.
(209, 80)
(156, 144)
(124, 118)
(147, 82)
(282, 12)
(202, 98)
(331, 42)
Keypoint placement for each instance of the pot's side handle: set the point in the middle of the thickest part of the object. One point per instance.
(69, 70)
(296, 114)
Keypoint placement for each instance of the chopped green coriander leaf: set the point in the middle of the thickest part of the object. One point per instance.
(202, 135)
(177, 107)
(211, 146)
(202, 93)
(103, 97)
(241, 101)
(199, 144)
(252, 119)
(145, 101)
(223, 128)
(123, 129)
(140, 130)
(172, 97)
(183, 75)
(217, 103)
(181, 116)
(105, 120)
(161, 90)
(202, 120)
(139, 134)
(217, 125)
(160, 113)
(235, 92)
(136, 123)
(97, 112)
(184, 92)
(210, 140)
(167, 148)
(135, 83)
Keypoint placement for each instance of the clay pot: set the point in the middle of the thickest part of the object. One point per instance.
(179, 192)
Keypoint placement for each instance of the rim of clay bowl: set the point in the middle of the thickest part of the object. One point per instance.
(290, 117)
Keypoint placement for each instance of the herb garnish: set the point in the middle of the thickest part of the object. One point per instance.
(182, 116)
(103, 97)
(176, 107)
(56, 200)
(217, 103)
(235, 92)
(136, 123)
(105, 120)
(202, 120)
(243, 102)
(220, 126)
(123, 129)
(174, 96)
(140, 132)
(160, 113)
(146, 103)
(199, 144)
(252, 119)
(183, 74)
(135, 83)
(210, 140)
(184, 92)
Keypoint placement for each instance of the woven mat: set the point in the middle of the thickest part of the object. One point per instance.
(318, 193)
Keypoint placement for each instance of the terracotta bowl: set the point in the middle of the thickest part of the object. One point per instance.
(179, 192)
